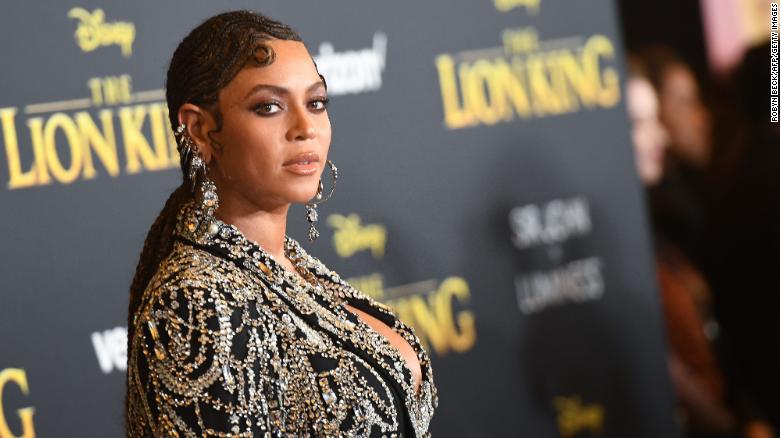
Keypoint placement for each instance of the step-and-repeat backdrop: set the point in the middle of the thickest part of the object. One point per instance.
(487, 193)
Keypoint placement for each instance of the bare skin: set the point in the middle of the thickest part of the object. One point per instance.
(271, 115)
(647, 132)
(406, 350)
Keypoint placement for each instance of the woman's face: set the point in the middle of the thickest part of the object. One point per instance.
(685, 116)
(275, 136)
(647, 133)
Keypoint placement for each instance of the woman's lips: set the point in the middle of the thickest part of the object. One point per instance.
(306, 163)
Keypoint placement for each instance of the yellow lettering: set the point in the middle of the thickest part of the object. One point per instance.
(139, 153)
(527, 81)
(455, 116)
(599, 46)
(17, 178)
(575, 75)
(93, 32)
(512, 82)
(351, 236)
(575, 417)
(93, 136)
(35, 126)
(462, 336)
(487, 109)
(544, 99)
(433, 318)
(506, 5)
(173, 151)
(63, 122)
(518, 41)
(110, 90)
(430, 323)
(104, 144)
(19, 377)
(95, 91)
(117, 89)
(157, 118)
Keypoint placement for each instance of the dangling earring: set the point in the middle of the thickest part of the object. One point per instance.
(197, 171)
(189, 152)
(311, 207)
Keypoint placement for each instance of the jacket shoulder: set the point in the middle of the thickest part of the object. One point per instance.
(196, 343)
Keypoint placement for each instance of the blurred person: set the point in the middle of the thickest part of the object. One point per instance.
(681, 199)
(684, 115)
(647, 133)
(691, 330)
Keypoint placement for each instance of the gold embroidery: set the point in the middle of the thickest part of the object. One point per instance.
(230, 343)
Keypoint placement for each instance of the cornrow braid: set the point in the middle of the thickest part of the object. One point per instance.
(205, 61)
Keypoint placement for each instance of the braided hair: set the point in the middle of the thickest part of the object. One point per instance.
(205, 61)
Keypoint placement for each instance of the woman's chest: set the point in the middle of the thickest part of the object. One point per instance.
(405, 350)
(336, 351)
(343, 333)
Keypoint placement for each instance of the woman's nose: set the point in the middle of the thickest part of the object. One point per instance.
(301, 125)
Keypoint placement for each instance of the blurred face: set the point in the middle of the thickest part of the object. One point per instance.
(647, 133)
(685, 116)
(275, 134)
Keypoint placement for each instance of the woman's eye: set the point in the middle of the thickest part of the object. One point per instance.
(268, 108)
(320, 104)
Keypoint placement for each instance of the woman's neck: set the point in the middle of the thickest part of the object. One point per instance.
(266, 227)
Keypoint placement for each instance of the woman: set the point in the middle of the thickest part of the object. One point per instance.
(234, 330)
(647, 133)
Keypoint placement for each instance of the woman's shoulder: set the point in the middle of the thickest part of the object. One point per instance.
(195, 291)
(195, 277)
(196, 340)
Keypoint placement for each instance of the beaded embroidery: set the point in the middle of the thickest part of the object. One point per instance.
(230, 343)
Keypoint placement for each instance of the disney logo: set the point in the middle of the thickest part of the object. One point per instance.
(93, 31)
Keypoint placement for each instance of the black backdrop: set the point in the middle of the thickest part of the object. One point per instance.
(487, 192)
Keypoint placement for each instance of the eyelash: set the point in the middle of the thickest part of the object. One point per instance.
(259, 108)
(324, 100)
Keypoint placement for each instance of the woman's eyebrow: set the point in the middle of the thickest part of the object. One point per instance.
(280, 90)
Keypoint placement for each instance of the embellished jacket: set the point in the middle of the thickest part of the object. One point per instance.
(227, 342)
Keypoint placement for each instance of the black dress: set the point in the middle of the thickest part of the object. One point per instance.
(227, 342)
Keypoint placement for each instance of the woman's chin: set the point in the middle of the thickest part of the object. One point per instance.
(303, 197)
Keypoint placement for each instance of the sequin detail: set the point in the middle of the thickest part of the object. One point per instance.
(230, 343)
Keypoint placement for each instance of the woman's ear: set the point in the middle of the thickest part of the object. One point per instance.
(199, 122)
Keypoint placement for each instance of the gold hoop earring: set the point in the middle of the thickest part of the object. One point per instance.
(311, 207)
